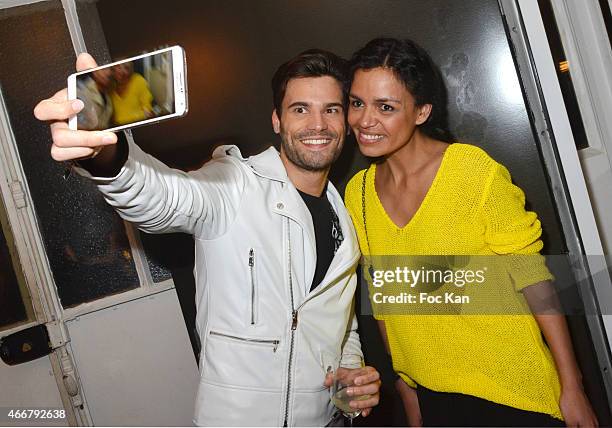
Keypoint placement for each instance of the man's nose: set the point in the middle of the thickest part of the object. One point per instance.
(317, 122)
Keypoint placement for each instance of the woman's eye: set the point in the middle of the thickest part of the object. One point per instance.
(386, 107)
(356, 103)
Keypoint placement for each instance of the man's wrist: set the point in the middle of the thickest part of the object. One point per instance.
(108, 161)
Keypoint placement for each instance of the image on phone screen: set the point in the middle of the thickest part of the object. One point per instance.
(127, 92)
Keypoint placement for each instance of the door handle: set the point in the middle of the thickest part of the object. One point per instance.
(25, 345)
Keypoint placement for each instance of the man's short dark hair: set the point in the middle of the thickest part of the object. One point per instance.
(412, 66)
(310, 63)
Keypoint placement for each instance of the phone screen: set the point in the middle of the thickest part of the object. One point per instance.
(126, 93)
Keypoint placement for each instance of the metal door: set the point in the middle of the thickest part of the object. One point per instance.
(121, 353)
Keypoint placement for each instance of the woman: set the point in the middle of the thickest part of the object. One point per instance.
(132, 98)
(455, 200)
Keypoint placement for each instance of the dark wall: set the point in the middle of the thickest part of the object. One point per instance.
(233, 48)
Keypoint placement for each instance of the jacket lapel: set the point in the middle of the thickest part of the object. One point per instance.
(289, 203)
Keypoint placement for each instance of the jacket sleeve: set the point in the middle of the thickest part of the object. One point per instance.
(159, 199)
(351, 345)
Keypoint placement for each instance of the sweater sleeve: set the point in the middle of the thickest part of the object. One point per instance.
(512, 231)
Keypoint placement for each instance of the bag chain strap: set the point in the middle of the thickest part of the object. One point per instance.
(363, 214)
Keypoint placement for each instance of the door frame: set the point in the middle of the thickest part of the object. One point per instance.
(35, 265)
(32, 255)
(586, 44)
(556, 142)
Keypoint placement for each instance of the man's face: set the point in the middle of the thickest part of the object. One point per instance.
(102, 77)
(122, 72)
(311, 125)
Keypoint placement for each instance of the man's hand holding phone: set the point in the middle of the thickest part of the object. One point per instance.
(136, 91)
(74, 144)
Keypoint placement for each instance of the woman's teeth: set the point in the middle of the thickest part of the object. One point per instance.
(371, 137)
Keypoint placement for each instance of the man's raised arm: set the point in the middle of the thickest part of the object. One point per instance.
(142, 189)
(73, 145)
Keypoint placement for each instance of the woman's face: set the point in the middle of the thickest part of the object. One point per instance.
(382, 112)
(122, 72)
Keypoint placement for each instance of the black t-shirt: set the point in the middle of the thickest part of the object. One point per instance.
(328, 235)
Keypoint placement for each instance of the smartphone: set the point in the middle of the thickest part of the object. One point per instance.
(132, 92)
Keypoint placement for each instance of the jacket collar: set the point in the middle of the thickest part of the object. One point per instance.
(267, 164)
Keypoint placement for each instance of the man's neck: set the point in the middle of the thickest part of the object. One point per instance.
(310, 182)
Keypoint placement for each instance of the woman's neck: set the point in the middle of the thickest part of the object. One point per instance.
(121, 87)
(412, 158)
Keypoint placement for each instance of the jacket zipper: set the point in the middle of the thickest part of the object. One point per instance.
(273, 342)
(294, 322)
(252, 272)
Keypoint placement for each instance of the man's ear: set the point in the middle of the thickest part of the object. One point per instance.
(424, 113)
(275, 122)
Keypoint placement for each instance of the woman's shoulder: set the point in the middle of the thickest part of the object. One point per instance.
(471, 158)
(138, 79)
(353, 187)
(353, 190)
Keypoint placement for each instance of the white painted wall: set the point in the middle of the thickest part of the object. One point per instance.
(135, 363)
(29, 385)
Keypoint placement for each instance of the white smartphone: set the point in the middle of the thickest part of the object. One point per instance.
(132, 92)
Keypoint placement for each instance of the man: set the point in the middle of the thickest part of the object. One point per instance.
(94, 91)
(275, 248)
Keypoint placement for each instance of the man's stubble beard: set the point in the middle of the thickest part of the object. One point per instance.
(310, 161)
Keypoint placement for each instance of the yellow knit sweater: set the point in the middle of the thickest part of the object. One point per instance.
(472, 208)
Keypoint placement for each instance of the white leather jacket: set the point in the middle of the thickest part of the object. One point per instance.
(267, 341)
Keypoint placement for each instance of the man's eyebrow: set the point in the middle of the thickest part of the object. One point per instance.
(298, 104)
(306, 104)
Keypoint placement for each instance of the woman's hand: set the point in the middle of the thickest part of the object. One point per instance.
(576, 408)
(574, 404)
(410, 402)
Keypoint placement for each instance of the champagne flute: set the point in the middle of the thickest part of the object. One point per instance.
(344, 372)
